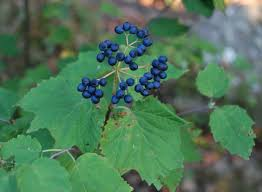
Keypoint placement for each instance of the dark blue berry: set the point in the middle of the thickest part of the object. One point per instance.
(145, 92)
(139, 51)
(157, 78)
(85, 81)
(128, 59)
(119, 29)
(102, 82)
(81, 87)
(114, 99)
(154, 71)
(149, 76)
(114, 47)
(112, 61)
(120, 93)
(143, 80)
(130, 81)
(99, 93)
(120, 56)
(162, 59)
(108, 53)
(133, 66)
(147, 42)
(91, 89)
(128, 98)
(163, 75)
(155, 63)
(86, 94)
(126, 26)
(140, 34)
(139, 88)
(123, 85)
(162, 67)
(94, 82)
(108, 43)
(95, 99)
(100, 57)
(133, 30)
(146, 33)
(102, 46)
(150, 86)
(156, 84)
(133, 53)
(141, 46)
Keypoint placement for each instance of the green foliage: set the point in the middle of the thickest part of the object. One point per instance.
(232, 127)
(219, 4)
(212, 81)
(8, 45)
(7, 182)
(173, 179)
(23, 148)
(203, 7)
(110, 9)
(89, 172)
(172, 27)
(7, 102)
(59, 35)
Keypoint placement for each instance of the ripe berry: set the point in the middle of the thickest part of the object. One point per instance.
(133, 30)
(162, 67)
(162, 59)
(128, 59)
(155, 63)
(133, 53)
(91, 89)
(94, 82)
(138, 88)
(120, 93)
(102, 46)
(128, 98)
(146, 32)
(154, 71)
(119, 29)
(100, 57)
(150, 86)
(120, 56)
(114, 99)
(141, 46)
(114, 47)
(108, 43)
(112, 61)
(157, 78)
(139, 51)
(156, 84)
(145, 92)
(140, 34)
(163, 75)
(108, 53)
(149, 76)
(102, 82)
(133, 66)
(95, 100)
(126, 26)
(147, 42)
(81, 87)
(123, 85)
(99, 93)
(85, 81)
(130, 81)
(143, 80)
(86, 94)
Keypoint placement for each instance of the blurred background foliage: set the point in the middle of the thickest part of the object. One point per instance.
(39, 38)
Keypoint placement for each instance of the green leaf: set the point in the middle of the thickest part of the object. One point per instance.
(23, 148)
(212, 81)
(60, 35)
(173, 179)
(171, 27)
(8, 45)
(146, 139)
(219, 4)
(44, 137)
(202, 7)
(71, 119)
(89, 173)
(42, 176)
(7, 102)
(7, 182)
(110, 9)
(232, 127)
(55, 10)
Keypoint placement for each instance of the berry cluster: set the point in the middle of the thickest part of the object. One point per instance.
(151, 80)
(121, 92)
(89, 89)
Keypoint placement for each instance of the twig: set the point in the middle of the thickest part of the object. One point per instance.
(202, 109)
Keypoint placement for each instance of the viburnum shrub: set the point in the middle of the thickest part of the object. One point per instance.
(118, 125)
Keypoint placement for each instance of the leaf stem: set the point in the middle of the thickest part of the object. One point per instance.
(107, 75)
(5, 121)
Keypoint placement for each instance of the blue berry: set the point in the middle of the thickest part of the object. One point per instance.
(141, 46)
(143, 80)
(94, 82)
(133, 30)
(139, 51)
(155, 63)
(162, 67)
(140, 34)
(120, 93)
(145, 92)
(91, 89)
(130, 81)
(99, 93)
(133, 53)
(157, 78)
(150, 86)
(154, 71)
(139, 88)
(162, 59)
(149, 76)
(156, 84)
(126, 26)
(146, 33)
(100, 57)
(112, 61)
(128, 98)
(163, 75)
(95, 99)
(119, 29)
(114, 47)
(102, 46)
(81, 87)
(133, 66)
(147, 42)
(128, 59)
(86, 94)
(108, 53)
(85, 81)
(123, 85)
(108, 43)
(102, 82)
(120, 56)
(114, 99)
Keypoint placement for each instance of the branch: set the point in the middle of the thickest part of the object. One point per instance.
(203, 109)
